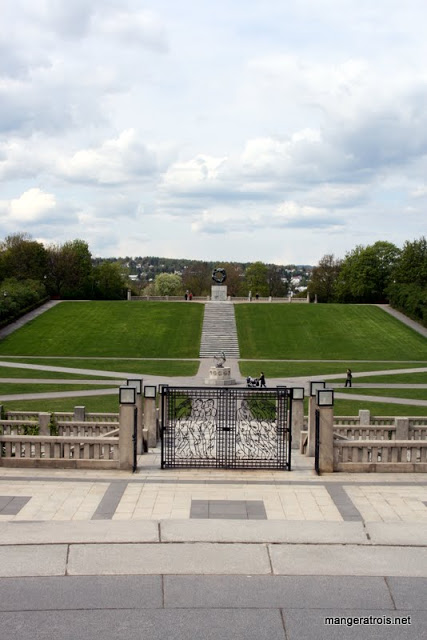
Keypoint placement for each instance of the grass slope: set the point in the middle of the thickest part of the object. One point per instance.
(330, 331)
(124, 329)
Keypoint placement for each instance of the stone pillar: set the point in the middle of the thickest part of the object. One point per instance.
(297, 422)
(402, 428)
(44, 422)
(364, 417)
(311, 426)
(126, 420)
(79, 414)
(326, 440)
(129, 294)
(150, 420)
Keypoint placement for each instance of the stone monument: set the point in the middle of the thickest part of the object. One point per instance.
(219, 375)
(219, 289)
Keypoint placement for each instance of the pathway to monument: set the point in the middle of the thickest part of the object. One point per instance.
(219, 331)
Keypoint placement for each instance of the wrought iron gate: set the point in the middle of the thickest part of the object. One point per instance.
(226, 427)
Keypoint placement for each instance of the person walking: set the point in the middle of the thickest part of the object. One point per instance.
(262, 381)
(348, 378)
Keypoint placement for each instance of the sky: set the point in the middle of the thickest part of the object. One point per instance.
(237, 130)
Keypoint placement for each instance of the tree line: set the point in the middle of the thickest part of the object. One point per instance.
(196, 277)
(377, 273)
(31, 272)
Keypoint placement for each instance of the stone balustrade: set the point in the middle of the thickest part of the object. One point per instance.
(59, 452)
(87, 429)
(356, 432)
(380, 456)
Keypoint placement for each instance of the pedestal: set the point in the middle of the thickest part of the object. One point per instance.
(220, 377)
(219, 293)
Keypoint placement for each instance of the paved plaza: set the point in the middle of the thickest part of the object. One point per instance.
(215, 554)
(212, 553)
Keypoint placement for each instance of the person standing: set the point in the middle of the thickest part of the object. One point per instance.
(262, 380)
(348, 378)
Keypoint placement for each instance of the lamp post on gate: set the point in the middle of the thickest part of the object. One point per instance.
(324, 448)
(137, 383)
(127, 417)
(297, 415)
(314, 386)
(150, 393)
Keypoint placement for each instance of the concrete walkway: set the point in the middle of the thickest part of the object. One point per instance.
(129, 556)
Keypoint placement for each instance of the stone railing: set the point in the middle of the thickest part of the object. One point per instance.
(79, 414)
(22, 415)
(18, 427)
(380, 456)
(88, 429)
(400, 429)
(356, 432)
(59, 452)
(102, 417)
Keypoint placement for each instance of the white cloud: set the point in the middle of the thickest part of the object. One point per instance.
(116, 161)
(33, 205)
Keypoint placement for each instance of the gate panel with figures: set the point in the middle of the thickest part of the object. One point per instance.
(226, 428)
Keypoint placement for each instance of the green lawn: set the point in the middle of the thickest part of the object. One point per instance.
(103, 404)
(294, 369)
(402, 378)
(7, 388)
(330, 331)
(147, 367)
(351, 408)
(124, 329)
(9, 372)
(415, 394)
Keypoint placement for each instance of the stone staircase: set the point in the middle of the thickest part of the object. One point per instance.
(219, 332)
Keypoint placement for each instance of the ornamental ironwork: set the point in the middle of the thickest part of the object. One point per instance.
(219, 275)
(226, 428)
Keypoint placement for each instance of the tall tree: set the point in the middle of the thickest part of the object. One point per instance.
(168, 284)
(70, 270)
(109, 281)
(408, 289)
(197, 278)
(276, 287)
(324, 278)
(23, 258)
(366, 273)
(256, 279)
(235, 279)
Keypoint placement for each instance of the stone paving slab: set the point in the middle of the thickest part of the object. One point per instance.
(79, 593)
(348, 560)
(198, 558)
(269, 592)
(91, 531)
(49, 560)
(398, 533)
(310, 625)
(239, 531)
(409, 593)
(182, 624)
